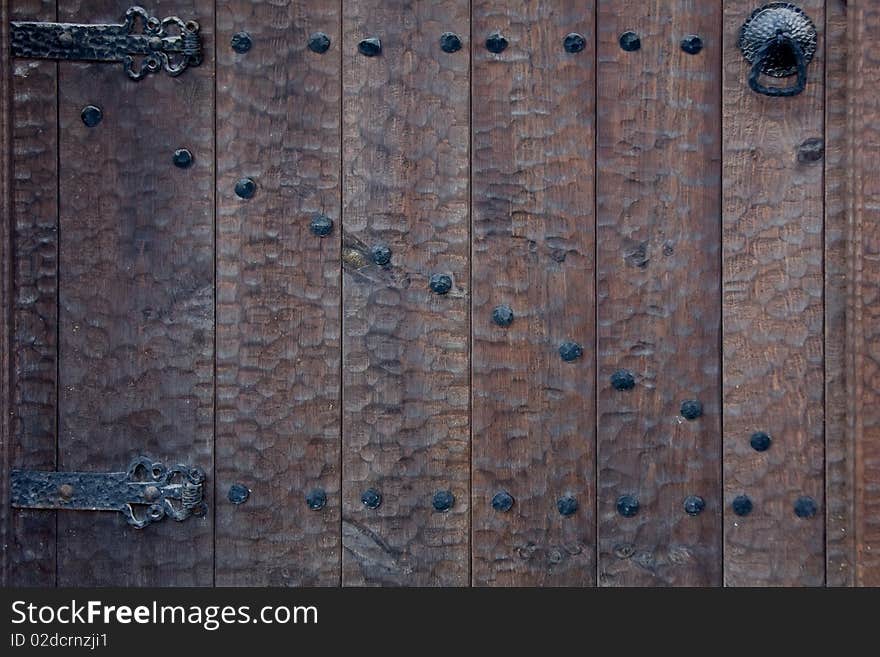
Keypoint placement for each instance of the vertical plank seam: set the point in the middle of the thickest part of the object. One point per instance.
(57, 288)
(214, 322)
(341, 282)
(823, 290)
(6, 178)
(471, 337)
(854, 286)
(596, 292)
(721, 150)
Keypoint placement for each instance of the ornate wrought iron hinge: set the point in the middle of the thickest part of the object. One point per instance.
(169, 43)
(145, 493)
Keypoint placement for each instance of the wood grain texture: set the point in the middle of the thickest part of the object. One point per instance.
(773, 320)
(278, 295)
(658, 226)
(864, 294)
(7, 555)
(405, 348)
(31, 543)
(533, 249)
(136, 296)
(839, 535)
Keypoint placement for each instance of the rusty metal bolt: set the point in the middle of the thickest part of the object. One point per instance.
(630, 41)
(443, 500)
(370, 47)
(742, 505)
(151, 493)
(502, 501)
(371, 498)
(496, 43)
(66, 491)
(450, 42)
(319, 43)
(567, 506)
(574, 43)
(241, 42)
(627, 506)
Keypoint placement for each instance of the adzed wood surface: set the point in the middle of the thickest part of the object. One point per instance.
(136, 299)
(773, 321)
(405, 347)
(658, 319)
(533, 252)
(278, 295)
(697, 241)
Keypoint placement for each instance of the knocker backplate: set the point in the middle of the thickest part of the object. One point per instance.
(765, 24)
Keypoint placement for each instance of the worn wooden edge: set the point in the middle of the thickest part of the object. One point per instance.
(862, 334)
(839, 537)
(5, 286)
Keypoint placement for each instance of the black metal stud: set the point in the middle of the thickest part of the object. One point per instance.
(371, 498)
(742, 505)
(316, 499)
(691, 409)
(241, 42)
(694, 505)
(627, 506)
(502, 502)
(182, 158)
(443, 500)
(370, 47)
(450, 42)
(811, 150)
(440, 283)
(692, 44)
(381, 254)
(630, 41)
(566, 506)
(760, 441)
(91, 115)
(570, 351)
(319, 43)
(245, 188)
(321, 225)
(496, 43)
(502, 315)
(623, 380)
(238, 493)
(805, 507)
(574, 42)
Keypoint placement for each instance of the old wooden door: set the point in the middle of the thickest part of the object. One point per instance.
(439, 293)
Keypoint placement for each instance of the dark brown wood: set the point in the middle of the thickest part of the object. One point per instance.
(7, 556)
(658, 225)
(34, 304)
(136, 299)
(278, 295)
(863, 137)
(839, 534)
(533, 249)
(405, 348)
(773, 320)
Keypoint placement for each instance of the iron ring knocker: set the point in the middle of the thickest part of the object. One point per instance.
(778, 40)
(782, 40)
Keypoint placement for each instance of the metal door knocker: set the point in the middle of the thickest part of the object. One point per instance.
(778, 40)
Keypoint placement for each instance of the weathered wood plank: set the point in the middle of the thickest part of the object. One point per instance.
(278, 295)
(863, 136)
(8, 549)
(658, 230)
(773, 321)
(533, 252)
(839, 535)
(405, 347)
(34, 212)
(136, 298)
